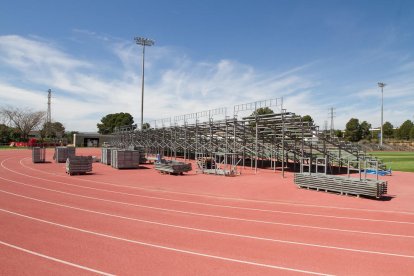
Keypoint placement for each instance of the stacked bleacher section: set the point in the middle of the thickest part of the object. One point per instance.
(78, 164)
(106, 156)
(342, 184)
(125, 159)
(172, 167)
(62, 153)
(38, 155)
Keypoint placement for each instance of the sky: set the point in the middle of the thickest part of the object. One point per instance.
(316, 55)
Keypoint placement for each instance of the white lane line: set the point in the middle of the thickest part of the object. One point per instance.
(215, 205)
(209, 215)
(223, 197)
(216, 232)
(173, 249)
(55, 259)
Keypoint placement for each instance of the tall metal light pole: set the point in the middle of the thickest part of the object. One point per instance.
(381, 84)
(144, 42)
(49, 110)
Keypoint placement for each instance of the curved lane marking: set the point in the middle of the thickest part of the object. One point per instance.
(209, 204)
(173, 249)
(222, 197)
(216, 232)
(225, 198)
(208, 215)
(55, 259)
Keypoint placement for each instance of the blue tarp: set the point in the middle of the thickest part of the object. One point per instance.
(380, 172)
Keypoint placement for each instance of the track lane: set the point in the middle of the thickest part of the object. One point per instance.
(208, 243)
(348, 241)
(400, 244)
(12, 257)
(208, 204)
(162, 211)
(315, 222)
(131, 256)
(283, 207)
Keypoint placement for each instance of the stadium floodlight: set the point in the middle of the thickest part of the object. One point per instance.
(143, 42)
(381, 85)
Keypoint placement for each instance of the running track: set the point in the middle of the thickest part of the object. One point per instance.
(139, 222)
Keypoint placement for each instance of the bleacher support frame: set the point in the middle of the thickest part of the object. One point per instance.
(279, 140)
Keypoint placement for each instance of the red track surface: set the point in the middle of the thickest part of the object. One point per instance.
(139, 222)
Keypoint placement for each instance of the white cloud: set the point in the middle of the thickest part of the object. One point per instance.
(84, 90)
(10, 95)
(201, 86)
(24, 54)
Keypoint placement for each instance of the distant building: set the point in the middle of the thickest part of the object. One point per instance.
(90, 139)
(34, 134)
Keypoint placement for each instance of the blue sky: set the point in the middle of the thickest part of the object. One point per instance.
(208, 54)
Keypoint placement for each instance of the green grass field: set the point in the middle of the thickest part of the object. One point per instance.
(7, 147)
(10, 148)
(396, 160)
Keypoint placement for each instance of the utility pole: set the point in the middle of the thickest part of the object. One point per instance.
(381, 85)
(144, 42)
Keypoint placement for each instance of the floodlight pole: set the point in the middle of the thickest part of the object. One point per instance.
(381, 84)
(49, 110)
(144, 42)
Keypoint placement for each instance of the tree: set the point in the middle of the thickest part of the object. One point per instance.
(365, 130)
(5, 132)
(403, 131)
(15, 135)
(262, 111)
(258, 112)
(353, 130)
(307, 118)
(110, 121)
(146, 126)
(52, 130)
(412, 133)
(388, 130)
(69, 136)
(24, 120)
(338, 133)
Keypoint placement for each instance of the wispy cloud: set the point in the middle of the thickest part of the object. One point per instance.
(26, 54)
(175, 84)
(84, 90)
(10, 95)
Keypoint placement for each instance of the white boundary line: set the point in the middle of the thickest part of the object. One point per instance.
(208, 204)
(215, 232)
(54, 259)
(189, 252)
(215, 196)
(208, 215)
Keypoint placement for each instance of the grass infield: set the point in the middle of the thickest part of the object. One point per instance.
(11, 148)
(397, 160)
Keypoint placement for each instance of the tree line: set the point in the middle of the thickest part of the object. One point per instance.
(16, 124)
(356, 131)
